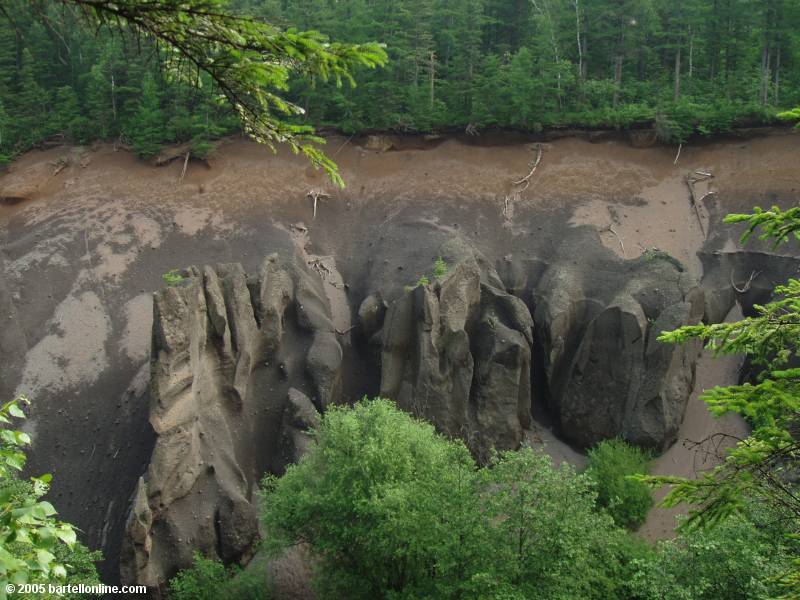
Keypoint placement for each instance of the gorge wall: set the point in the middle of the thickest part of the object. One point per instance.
(545, 318)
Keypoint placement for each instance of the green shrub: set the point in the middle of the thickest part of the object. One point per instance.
(543, 536)
(611, 463)
(791, 115)
(201, 148)
(730, 561)
(381, 499)
(671, 129)
(209, 579)
(172, 278)
(30, 535)
(394, 510)
(204, 580)
(439, 268)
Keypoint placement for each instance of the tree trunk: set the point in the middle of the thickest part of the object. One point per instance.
(433, 76)
(713, 62)
(677, 86)
(576, 3)
(777, 71)
(691, 52)
(113, 97)
(618, 63)
(766, 52)
(585, 42)
(765, 74)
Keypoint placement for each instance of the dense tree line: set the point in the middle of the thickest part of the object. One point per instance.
(59, 77)
(549, 63)
(689, 66)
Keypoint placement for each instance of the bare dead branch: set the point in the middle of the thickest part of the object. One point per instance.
(690, 181)
(319, 267)
(527, 179)
(185, 164)
(747, 284)
(317, 195)
(619, 239)
(706, 195)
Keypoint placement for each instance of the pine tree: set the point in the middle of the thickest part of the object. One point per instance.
(147, 131)
(5, 147)
(65, 111)
(31, 104)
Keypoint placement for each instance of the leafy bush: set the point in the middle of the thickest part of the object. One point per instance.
(381, 498)
(439, 268)
(672, 129)
(209, 579)
(791, 115)
(394, 510)
(543, 537)
(201, 148)
(611, 463)
(172, 278)
(29, 533)
(731, 561)
(204, 580)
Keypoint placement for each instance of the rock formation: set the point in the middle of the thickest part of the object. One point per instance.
(744, 276)
(299, 418)
(458, 353)
(235, 365)
(597, 324)
(241, 368)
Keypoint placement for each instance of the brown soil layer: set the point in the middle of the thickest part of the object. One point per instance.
(83, 249)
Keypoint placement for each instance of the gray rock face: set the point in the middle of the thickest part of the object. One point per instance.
(299, 418)
(231, 358)
(458, 353)
(754, 273)
(607, 375)
(242, 367)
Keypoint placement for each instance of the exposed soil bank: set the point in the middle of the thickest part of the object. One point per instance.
(83, 250)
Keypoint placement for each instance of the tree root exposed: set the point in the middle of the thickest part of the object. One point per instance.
(317, 195)
(619, 239)
(527, 179)
(747, 284)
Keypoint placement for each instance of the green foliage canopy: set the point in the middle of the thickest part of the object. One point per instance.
(271, 68)
(737, 560)
(245, 60)
(764, 466)
(33, 543)
(392, 509)
(611, 463)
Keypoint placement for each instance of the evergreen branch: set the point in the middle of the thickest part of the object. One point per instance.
(245, 58)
